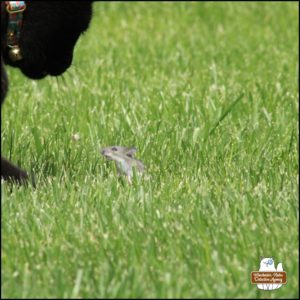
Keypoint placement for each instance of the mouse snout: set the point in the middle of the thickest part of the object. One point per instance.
(106, 153)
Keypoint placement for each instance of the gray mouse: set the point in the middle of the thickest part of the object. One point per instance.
(124, 159)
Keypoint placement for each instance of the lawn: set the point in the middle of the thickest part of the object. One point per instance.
(208, 93)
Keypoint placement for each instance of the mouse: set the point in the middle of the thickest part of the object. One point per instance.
(125, 160)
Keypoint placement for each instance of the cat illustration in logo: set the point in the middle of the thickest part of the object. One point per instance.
(267, 265)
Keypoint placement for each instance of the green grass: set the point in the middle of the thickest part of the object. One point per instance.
(208, 93)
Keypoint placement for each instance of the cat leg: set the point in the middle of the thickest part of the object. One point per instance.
(13, 173)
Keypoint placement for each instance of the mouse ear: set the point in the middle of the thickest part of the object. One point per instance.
(131, 151)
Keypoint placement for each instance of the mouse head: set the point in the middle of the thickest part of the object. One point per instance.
(113, 151)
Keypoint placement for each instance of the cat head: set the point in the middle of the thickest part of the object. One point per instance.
(48, 36)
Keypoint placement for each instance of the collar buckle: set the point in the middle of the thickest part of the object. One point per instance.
(14, 7)
(15, 19)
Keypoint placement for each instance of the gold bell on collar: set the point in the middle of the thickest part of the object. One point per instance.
(15, 54)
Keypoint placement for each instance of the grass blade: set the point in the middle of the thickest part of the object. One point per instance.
(225, 113)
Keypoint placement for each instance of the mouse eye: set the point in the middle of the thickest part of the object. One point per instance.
(114, 149)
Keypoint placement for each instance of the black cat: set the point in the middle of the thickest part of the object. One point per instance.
(43, 43)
